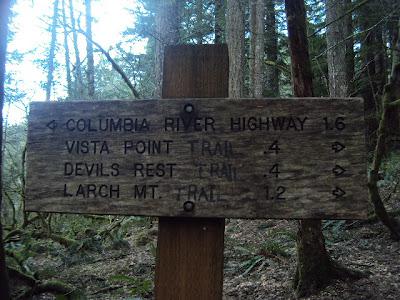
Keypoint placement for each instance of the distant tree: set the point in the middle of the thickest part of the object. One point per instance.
(271, 51)
(89, 50)
(66, 51)
(373, 64)
(336, 33)
(256, 61)
(78, 86)
(50, 57)
(4, 13)
(219, 16)
(393, 117)
(235, 41)
(199, 13)
(167, 33)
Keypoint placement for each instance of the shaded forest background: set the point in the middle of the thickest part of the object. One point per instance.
(354, 50)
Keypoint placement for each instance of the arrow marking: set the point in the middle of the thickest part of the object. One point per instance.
(52, 125)
(338, 192)
(337, 147)
(338, 170)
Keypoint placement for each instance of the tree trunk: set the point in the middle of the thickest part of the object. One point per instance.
(50, 59)
(199, 22)
(271, 49)
(4, 12)
(167, 33)
(314, 266)
(89, 50)
(393, 115)
(336, 32)
(218, 21)
(66, 49)
(78, 93)
(256, 61)
(349, 45)
(235, 41)
(396, 45)
(374, 73)
(251, 57)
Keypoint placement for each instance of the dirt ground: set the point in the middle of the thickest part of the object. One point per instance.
(259, 262)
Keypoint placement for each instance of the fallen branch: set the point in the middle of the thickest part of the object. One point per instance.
(38, 287)
(115, 66)
(394, 103)
(54, 287)
(66, 242)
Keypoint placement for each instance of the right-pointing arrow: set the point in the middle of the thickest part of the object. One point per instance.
(338, 192)
(338, 170)
(52, 125)
(337, 147)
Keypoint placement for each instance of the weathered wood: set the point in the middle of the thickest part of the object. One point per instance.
(190, 258)
(222, 163)
(190, 251)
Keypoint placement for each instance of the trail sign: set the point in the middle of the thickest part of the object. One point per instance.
(265, 158)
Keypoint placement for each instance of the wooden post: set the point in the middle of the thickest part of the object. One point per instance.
(190, 251)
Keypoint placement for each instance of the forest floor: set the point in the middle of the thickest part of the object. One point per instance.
(260, 260)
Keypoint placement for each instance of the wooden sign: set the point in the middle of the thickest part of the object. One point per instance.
(268, 158)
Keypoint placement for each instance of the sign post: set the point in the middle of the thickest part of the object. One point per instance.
(190, 252)
(195, 158)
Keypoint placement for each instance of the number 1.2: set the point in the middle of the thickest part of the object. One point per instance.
(278, 195)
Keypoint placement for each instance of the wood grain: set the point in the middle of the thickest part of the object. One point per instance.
(234, 166)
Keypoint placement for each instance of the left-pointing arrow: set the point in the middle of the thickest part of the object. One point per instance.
(52, 124)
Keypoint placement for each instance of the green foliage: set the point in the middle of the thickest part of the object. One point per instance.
(137, 286)
(391, 169)
(14, 140)
(333, 230)
(258, 256)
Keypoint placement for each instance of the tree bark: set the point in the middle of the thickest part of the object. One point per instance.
(235, 41)
(349, 45)
(336, 32)
(256, 61)
(66, 49)
(199, 22)
(78, 89)
(4, 13)
(218, 21)
(314, 266)
(167, 33)
(89, 50)
(50, 59)
(271, 49)
(251, 57)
